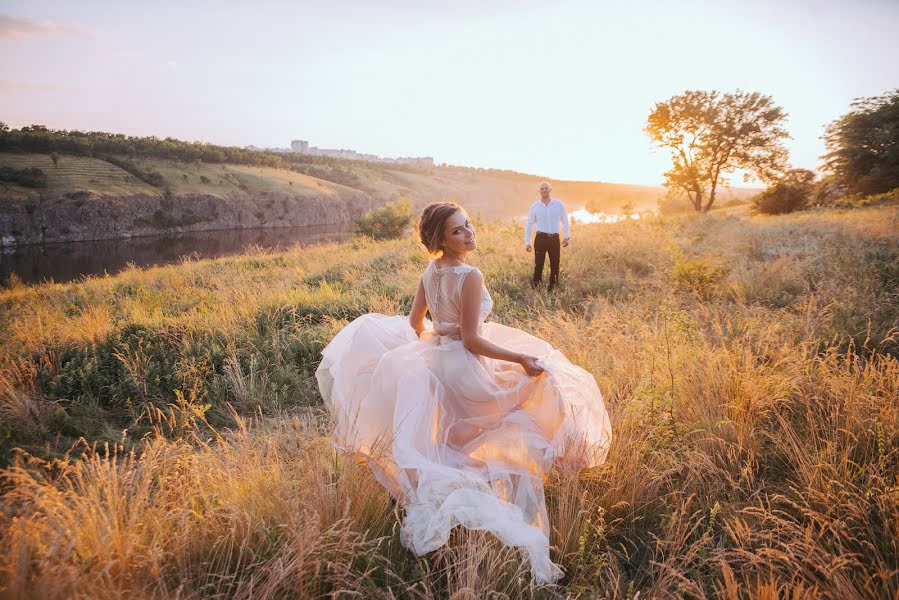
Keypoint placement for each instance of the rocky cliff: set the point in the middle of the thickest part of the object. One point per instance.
(81, 216)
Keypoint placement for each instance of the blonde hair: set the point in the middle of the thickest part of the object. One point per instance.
(431, 222)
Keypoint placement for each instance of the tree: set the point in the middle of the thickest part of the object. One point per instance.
(863, 146)
(710, 135)
(789, 194)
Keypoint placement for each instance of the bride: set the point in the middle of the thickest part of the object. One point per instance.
(458, 418)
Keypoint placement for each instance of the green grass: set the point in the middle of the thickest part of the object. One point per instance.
(74, 173)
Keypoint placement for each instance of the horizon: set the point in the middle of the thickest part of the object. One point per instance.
(382, 79)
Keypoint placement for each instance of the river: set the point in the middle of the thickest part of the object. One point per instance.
(68, 261)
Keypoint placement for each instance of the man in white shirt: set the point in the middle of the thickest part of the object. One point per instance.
(549, 216)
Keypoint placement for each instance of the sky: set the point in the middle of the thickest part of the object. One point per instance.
(557, 89)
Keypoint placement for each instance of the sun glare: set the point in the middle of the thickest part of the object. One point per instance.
(582, 215)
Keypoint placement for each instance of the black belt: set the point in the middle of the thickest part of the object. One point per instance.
(548, 234)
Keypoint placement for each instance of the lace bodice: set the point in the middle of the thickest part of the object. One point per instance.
(443, 291)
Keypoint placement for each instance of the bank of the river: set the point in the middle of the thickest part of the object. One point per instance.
(87, 198)
(83, 216)
(67, 261)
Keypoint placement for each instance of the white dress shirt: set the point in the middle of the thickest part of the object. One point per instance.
(548, 218)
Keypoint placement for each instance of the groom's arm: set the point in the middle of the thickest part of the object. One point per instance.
(566, 225)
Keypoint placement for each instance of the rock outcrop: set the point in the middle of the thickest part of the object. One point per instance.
(82, 216)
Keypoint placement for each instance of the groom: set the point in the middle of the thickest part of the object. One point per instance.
(547, 214)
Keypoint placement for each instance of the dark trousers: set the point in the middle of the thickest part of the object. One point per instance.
(543, 244)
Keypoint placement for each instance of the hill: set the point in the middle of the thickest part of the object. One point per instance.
(143, 186)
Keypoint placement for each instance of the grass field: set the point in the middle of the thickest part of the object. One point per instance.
(178, 446)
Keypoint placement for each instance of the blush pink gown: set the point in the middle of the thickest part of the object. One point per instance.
(458, 438)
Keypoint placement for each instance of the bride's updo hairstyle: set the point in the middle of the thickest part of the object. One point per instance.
(431, 222)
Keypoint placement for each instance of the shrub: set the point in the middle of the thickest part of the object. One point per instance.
(152, 177)
(389, 221)
(858, 201)
(699, 274)
(670, 206)
(779, 199)
(29, 177)
(787, 195)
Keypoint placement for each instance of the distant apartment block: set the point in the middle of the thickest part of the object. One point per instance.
(303, 147)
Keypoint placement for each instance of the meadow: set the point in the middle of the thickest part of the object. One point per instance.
(163, 435)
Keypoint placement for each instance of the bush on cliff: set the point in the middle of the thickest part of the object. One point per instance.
(31, 177)
(152, 177)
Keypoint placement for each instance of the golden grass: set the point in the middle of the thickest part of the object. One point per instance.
(749, 366)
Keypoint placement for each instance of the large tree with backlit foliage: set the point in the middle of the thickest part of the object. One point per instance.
(710, 135)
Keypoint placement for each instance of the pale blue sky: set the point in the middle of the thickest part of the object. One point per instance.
(561, 89)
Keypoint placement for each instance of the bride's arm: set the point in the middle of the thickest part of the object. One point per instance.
(469, 320)
(419, 307)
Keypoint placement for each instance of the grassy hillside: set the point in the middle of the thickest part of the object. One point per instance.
(489, 193)
(496, 194)
(750, 366)
(76, 173)
(72, 174)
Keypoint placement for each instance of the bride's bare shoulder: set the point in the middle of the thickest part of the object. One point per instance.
(472, 277)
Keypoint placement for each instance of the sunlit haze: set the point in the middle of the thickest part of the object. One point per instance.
(562, 90)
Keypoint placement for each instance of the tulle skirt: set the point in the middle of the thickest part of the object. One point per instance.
(458, 438)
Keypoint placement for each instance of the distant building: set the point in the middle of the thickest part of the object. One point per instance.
(303, 147)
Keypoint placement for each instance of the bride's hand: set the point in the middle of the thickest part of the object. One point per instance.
(530, 365)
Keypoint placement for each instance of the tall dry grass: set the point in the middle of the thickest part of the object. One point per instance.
(749, 365)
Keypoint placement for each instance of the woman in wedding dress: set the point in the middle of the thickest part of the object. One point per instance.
(460, 419)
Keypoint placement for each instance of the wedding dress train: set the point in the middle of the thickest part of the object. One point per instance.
(458, 438)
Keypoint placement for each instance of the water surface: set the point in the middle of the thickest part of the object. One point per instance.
(71, 260)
